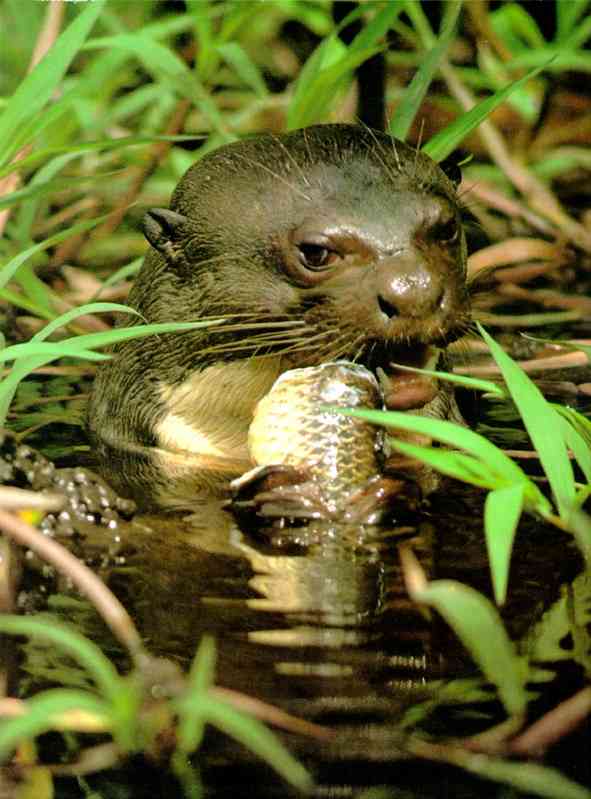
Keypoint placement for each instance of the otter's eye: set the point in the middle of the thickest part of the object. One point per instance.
(316, 256)
(446, 232)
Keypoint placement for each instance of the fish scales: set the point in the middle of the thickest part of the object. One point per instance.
(291, 426)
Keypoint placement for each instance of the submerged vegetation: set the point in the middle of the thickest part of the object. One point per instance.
(118, 100)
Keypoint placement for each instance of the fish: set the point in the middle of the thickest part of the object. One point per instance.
(294, 426)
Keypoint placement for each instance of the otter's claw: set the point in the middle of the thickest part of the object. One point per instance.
(277, 491)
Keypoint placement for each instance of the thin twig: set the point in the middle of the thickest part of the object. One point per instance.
(106, 603)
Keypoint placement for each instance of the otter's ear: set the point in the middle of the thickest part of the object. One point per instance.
(451, 167)
(162, 228)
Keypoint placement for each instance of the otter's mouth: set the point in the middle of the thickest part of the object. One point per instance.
(402, 389)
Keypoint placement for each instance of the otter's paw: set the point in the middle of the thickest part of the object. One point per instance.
(374, 502)
(277, 492)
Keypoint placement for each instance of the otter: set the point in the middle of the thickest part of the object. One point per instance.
(329, 242)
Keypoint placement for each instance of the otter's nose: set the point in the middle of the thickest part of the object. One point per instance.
(408, 288)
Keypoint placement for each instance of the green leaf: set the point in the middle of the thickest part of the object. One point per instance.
(244, 67)
(90, 146)
(314, 102)
(448, 433)
(192, 718)
(36, 354)
(117, 335)
(378, 26)
(540, 421)
(502, 511)
(202, 671)
(51, 350)
(81, 649)
(39, 85)
(165, 65)
(531, 778)
(577, 436)
(479, 627)
(476, 383)
(256, 737)
(82, 310)
(516, 28)
(415, 92)
(454, 464)
(442, 144)
(40, 716)
(331, 65)
(7, 272)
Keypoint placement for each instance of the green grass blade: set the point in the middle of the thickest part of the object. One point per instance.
(516, 28)
(568, 14)
(118, 335)
(20, 301)
(40, 716)
(36, 353)
(448, 433)
(331, 63)
(579, 524)
(453, 464)
(167, 67)
(202, 671)
(7, 271)
(479, 627)
(38, 87)
(540, 421)
(502, 511)
(19, 371)
(234, 55)
(476, 383)
(378, 26)
(415, 92)
(82, 310)
(129, 270)
(442, 144)
(201, 675)
(532, 778)
(314, 104)
(256, 737)
(25, 366)
(577, 436)
(90, 146)
(56, 350)
(81, 649)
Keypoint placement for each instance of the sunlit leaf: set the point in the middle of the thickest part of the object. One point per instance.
(480, 628)
(531, 778)
(256, 737)
(541, 423)
(448, 433)
(502, 511)
(191, 718)
(8, 271)
(77, 646)
(415, 92)
(38, 86)
(41, 713)
(442, 144)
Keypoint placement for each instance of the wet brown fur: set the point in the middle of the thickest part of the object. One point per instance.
(169, 414)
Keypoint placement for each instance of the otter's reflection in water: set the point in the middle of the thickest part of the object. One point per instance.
(330, 595)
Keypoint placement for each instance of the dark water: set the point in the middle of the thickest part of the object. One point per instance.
(327, 633)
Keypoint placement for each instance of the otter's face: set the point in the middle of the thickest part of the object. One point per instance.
(328, 243)
(380, 285)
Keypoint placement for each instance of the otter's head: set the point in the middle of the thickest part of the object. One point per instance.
(345, 242)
